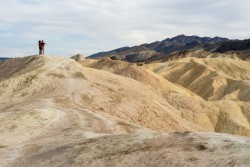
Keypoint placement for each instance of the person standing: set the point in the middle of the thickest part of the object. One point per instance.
(40, 47)
(43, 45)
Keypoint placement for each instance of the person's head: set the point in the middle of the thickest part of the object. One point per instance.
(39, 41)
(42, 40)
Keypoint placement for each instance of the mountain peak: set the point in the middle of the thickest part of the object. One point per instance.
(184, 39)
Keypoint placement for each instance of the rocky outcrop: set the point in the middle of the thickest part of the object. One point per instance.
(78, 57)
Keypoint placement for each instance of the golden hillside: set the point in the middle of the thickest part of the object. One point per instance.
(211, 78)
(212, 115)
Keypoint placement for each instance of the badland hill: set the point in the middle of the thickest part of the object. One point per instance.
(58, 111)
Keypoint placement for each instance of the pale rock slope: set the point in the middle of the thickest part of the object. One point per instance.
(223, 116)
(55, 111)
(211, 78)
(200, 54)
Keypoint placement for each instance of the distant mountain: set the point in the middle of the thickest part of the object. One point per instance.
(234, 45)
(103, 54)
(163, 48)
(3, 58)
(130, 54)
(183, 42)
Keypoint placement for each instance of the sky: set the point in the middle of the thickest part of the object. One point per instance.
(90, 26)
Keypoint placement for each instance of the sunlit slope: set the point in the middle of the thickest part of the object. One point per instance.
(191, 106)
(133, 71)
(44, 91)
(210, 78)
(200, 54)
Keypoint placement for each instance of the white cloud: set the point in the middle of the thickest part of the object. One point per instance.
(89, 26)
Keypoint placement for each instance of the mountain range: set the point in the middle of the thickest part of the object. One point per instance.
(3, 58)
(165, 48)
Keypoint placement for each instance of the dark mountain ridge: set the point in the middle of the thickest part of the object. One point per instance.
(234, 45)
(3, 58)
(169, 46)
(103, 54)
(161, 48)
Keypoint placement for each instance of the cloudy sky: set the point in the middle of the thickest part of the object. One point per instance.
(90, 26)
